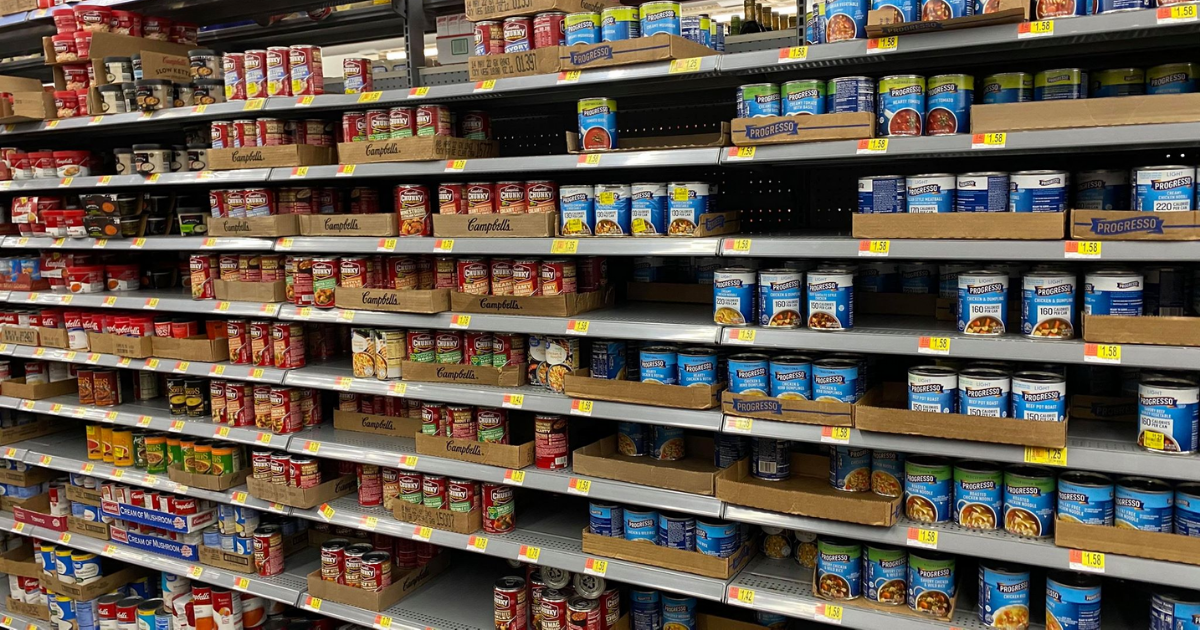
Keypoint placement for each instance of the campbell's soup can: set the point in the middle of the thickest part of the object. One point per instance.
(518, 34)
(202, 273)
(480, 198)
(510, 197)
(489, 38)
(549, 29)
(354, 127)
(413, 210)
(307, 77)
(475, 125)
(451, 199)
(234, 67)
(434, 120)
(279, 71)
(379, 125)
(541, 196)
(402, 122)
(356, 75)
(512, 606)
(256, 73)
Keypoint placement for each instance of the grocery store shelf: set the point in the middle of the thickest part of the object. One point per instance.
(972, 542)
(784, 587)
(153, 364)
(339, 376)
(1107, 447)
(795, 247)
(210, 178)
(149, 243)
(173, 300)
(396, 452)
(677, 323)
(900, 335)
(10, 620)
(507, 246)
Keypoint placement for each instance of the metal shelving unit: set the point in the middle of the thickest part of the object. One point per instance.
(10, 620)
(211, 178)
(508, 246)
(153, 364)
(796, 247)
(173, 300)
(149, 243)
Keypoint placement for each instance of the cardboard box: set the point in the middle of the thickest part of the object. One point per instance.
(630, 51)
(889, 414)
(892, 609)
(668, 558)
(881, 23)
(694, 474)
(17, 388)
(53, 338)
(833, 414)
(1025, 226)
(158, 65)
(457, 522)
(510, 376)
(36, 503)
(1146, 329)
(416, 149)
(114, 45)
(134, 347)
(158, 518)
(677, 293)
(92, 590)
(275, 225)
(512, 456)
(281, 156)
(27, 106)
(371, 423)
(508, 65)
(20, 335)
(37, 611)
(806, 493)
(91, 529)
(1109, 408)
(44, 425)
(686, 141)
(915, 304)
(251, 291)
(20, 561)
(538, 225)
(749, 132)
(1134, 225)
(228, 560)
(192, 349)
(455, 39)
(40, 519)
(478, 10)
(393, 300)
(208, 482)
(1127, 542)
(403, 585)
(23, 282)
(565, 305)
(1092, 112)
(302, 497)
(381, 224)
(639, 393)
(79, 494)
(28, 477)
(9, 7)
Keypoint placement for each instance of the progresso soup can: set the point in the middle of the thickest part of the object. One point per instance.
(660, 17)
(1113, 293)
(897, 10)
(1102, 190)
(717, 538)
(1171, 78)
(1174, 611)
(605, 519)
(648, 208)
(770, 459)
(978, 494)
(1050, 9)
(1144, 503)
(758, 100)
(937, 10)
(577, 210)
(900, 110)
(850, 95)
(1040, 396)
(839, 568)
(1072, 601)
(1048, 305)
(658, 364)
(931, 582)
(830, 299)
(881, 194)
(1060, 84)
(885, 574)
(582, 28)
(933, 193)
(686, 202)
(835, 380)
(1037, 191)
(1168, 415)
(887, 471)
(982, 302)
(749, 374)
(779, 292)
(928, 487)
(932, 389)
(981, 192)
(597, 123)
(1029, 500)
(791, 377)
(1003, 595)
(1099, 7)
(1116, 82)
(984, 392)
(1085, 497)
(697, 367)
(733, 296)
(850, 469)
(619, 23)
(948, 102)
(1187, 509)
(1007, 87)
(1164, 188)
(803, 96)
(845, 20)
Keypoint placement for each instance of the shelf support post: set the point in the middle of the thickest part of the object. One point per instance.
(414, 39)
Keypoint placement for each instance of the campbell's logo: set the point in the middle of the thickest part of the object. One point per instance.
(927, 388)
(472, 123)
(297, 58)
(253, 62)
(523, 273)
(1059, 289)
(459, 493)
(422, 343)
(256, 199)
(323, 268)
(400, 117)
(1176, 77)
(830, 379)
(275, 58)
(1040, 396)
(984, 392)
(516, 31)
(475, 271)
(410, 197)
(424, 117)
(504, 601)
(993, 287)
(540, 193)
(1169, 184)
(926, 189)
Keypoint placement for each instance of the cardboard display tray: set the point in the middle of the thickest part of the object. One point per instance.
(1135, 225)
(806, 493)
(511, 456)
(281, 156)
(478, 10)
(115, 45)
(889, 414)
(657, 47)
(208, 482)
(92, 590)
(1025, 226)
(639, 393)
(28, 477)
(509, 65)
(688, 141)
(880, 23)
(457, 522)
(53, 338)
(381, 224)
(667, 558)
(1092, 112)
(85, 496)
(510, 376)
(416, 149)
(37, 611)
(536, 225)
(20, 335)
(17, 388)
(133, 347)
(20, 561)
(158, 518)
(892, 609)
(194, 349)
(373, 423)
(565, 305)
(275, 225)
(393, 300)
(228, 560)
(832, 414)
(91, 529)
(749, 132)
(302, 498)
(403, 585)
(1108, 408)
(37, 503)
(1146, 329)
(40, 519)
(670, 292)
(251, 291)
(1127, 542)
(694, 474)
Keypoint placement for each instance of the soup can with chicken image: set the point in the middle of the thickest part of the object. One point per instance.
(982, 302)
(885, 574)
(791, 377)
(928, 489)
(748, 374)
(1085, 497)
(686, 203)
(1168, 415)
(850, 469)
(978, 494)
(845, 20)
(733, 295)
(1170, 610)
(667, 443)
(948, 104)
(1029, 499)
(612, 209)
(899, 10)
(1072, 601)
(839, 568)
(936, 10)
(1145, 504)
(1003, 596)
(901, 105)
(1048, 305)
(830, 299)
(1040, 396)
(779, 292)
(887, 469)
(697, 367)
(836, 380)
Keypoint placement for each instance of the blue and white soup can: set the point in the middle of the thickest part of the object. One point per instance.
(835, 380)
(717, 538)
(1029, 501)
(982, 302)
(1037, 191)
(645, 609)
(658, 364)
(1170, 611)
(846, 19)
(648, 208)
(850, 469)
(791, 377)
(678, 612)
(779, 292)
(660, 17)
(770, 459)
(1164, 188)
(981, 192)
(930, 193)
(697, 367)
(577, 205)
(848, 95)
(1003, 596)
(1040, 396)
(1086, 497)
(1187, 509)
(839, 568)
(677, 532)
(734, 291)
(1145, 504)
(1048, 305)
(758, 100)
(749, 374)
(1113, 293)
(1168, 415)
(984, 392)
(606, 519)
(613, 209)
(920, 278)
(830, 299)
(932, 389)
(685, 203)
(1102, 190)
(881, 194)
(641, 525)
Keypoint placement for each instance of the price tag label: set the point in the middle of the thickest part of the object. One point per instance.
(299, 172)
(741, 595)
(581, 407)
(485, 86)
(326, 512)
(595, 566)
(210, 242)
(241, 583)
(878, 146)
(564, 246)
(569, 77)
(196, 571)
(740, 335)
(346, 316)
(10, 453)
(343, 383)
(988, 140)
(305, 101)
(793, 54)
(591, 159)
(65, 182)
(87, 469)
(1154, 440)
(55, 408)
(933, 345)
(398, 389)
(221, 432)
(528, 553)
(104, 181)
(926, 538)
(513, 401)
(1090, 561)
(736, 245)
(514, 477)
(254, 104)
(829, 613)
(110, 549)
(151, 363)
(369, 97)
(143, 421)
(444, 245)
(738, 424)
(682, 66)
(578, 326)
(460, 321)
(477, 543)
(1040, 28)
(118, 473)
(1045, 456)
(883, 44)
(1102, 353)
(455, 166)
(1082, 249)
(345, 170)
(408, 462)
(383, 622)
(39, 352)
(126, 362)
(386, 245)
(835, 435)
(182, 366)
(740, 154)
(239, 498)
(263, 438)
(150, 480)
(418, 92)
(1177, 14)
(874, 248)
(312, 446)
(64, 537)
(51, 124)
(19, 528)
(176, 426)
(423, 533)
(312, 603)
(27, 405)
(576, 485)
(151, 303)
(153, 179)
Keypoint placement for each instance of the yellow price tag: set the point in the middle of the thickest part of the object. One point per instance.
(681, 66)
(1041, 27)
(883, 44)
(104, 181)
(143, 421)
(1183, 12)
(443, 245)
(872, 147)
(483, 86)
(326, 512)
(196, 571)
(312, 447)
(927, 538)
(591, 159)
(989, 140)
(874, 248)
(418, 92)
(399, 389)
(221, 432)
(1090, 561)
(513, 401)
(578, 326)
(55, 408)
(369, 97)
(64, 537)
(368, 522)
(839, 435)
(254, 104)
(424, 533)
(176, 426)
(455, 166)
(742, 153)
(680, 193)
(608, 198)
(408, 462)
(383, 622)
(256, 373)
(65, 182)
(154, 177)
(1082, 249)
(595, 566)
(743, 595)
(933, 345)
(570, 76)
(1101, 353)
(182, 366)
(1046, 456)
(151, 303)
(738, 424)
(51, 124)
(582, 407)
(87, 469)
(343, 383)
(460, 321)
(514, 477)
(263, 438)
(742, 335)
(19, 528)
(795, 53)
(386, 245)
(1154, 440)
(830, 612)
(564, 246)
(477, 543)
(312, 603)
(579, 486)
(528, 553)
(241, 583)
(238, 498)
(151, 363)
(345, 170)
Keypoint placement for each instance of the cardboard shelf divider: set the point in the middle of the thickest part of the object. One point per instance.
(373, 423)
(1145, 329)
(281, 156)
(416, 149)
(1127, 542)
(1025, 226)
(446, 520)
(639, 393)
(403, 585)
(274, 225)
(750, 132)
(508, 376)
(692, 562)
(1086, 113)
(198, 348)
(565, 305)
(880, 24)
(511, 456)
(649, 143)
(303, 498)
(266, 292)
(18, 388)
(380, 224)
(800, 411)
(393, 300)
(536, 225)
(1135, 225)
(695, 473)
